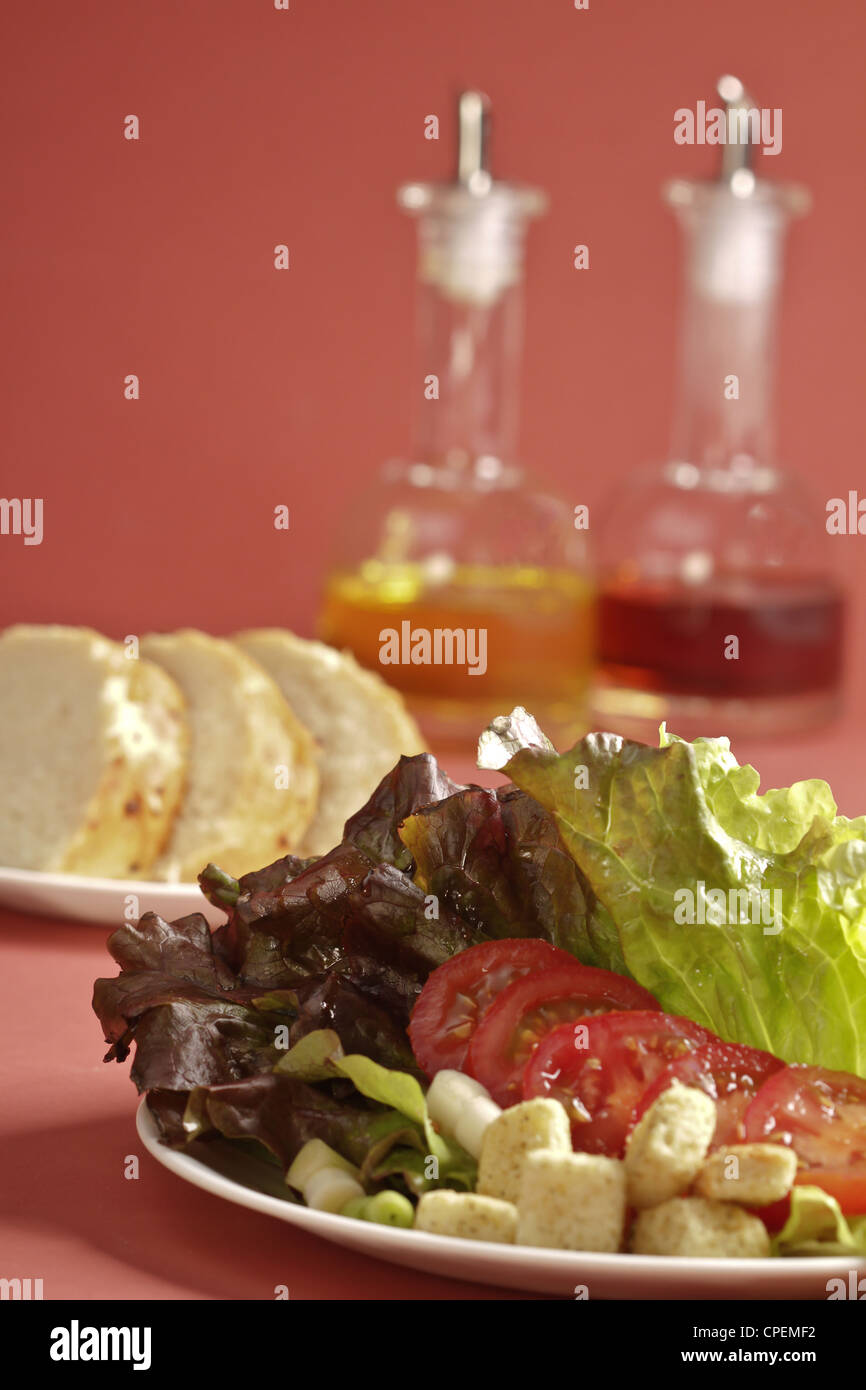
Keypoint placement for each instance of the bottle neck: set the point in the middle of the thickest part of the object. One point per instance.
(726, 380)
(469, 364)
(723, 414)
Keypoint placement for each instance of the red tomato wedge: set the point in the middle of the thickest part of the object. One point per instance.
(530, 1008)
(847, 1185)
(459, 992)
(729, 1072)
(775, 1215)
(600, 1067)
(821, 1114)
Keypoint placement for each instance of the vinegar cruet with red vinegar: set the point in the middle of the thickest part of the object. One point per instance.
(718, 607)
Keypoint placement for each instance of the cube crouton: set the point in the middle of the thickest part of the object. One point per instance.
(571, 1201)
(533, 1124)
(668, 1145)
(447, 1213)
(753, 1174)
(697, 1227)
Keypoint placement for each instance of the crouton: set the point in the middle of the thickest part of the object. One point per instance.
(571, 1201)
(668, 1145)
(447, 1213)
(696, 1227)
(533, 1124)
(754, 1174)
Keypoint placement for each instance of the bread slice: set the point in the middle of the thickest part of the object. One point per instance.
(92, 753)
(361, 724)
(253, 781)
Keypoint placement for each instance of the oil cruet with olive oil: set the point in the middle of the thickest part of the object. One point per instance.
(460, 581)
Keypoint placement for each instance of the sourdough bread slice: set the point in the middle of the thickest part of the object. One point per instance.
(360, 723)
(252, 780)
(92, 753)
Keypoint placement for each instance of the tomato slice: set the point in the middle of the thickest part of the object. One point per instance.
(530, 1008)
(776, 1214)
(729, 1072)
(821, 1115)
(601, 1073)
(847, 1185)
(459, 992)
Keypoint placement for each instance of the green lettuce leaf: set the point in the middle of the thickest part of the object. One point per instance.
(404, 1094)
(319, 1056)
(312, 1057)
(775, 820)
(656, 829)
(816, 1226)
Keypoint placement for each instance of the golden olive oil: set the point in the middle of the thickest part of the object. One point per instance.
(538, 642)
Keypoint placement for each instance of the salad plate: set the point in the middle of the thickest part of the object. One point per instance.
(104, 901)
(219, 1168)
(608, 994)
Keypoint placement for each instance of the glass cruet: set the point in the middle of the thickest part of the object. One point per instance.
(457, 539)
(718, 607)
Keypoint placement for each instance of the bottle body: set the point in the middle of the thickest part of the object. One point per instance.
(718, 610)
(474, 598)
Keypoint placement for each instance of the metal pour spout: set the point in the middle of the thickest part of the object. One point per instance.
(473, 122)
(737, 155)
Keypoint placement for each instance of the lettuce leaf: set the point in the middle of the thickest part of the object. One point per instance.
(282, 1113)
(413, 783)
(495, 861)
(816, 1226)
(320, 1055)
(654, 828)
(774, 820)
(313, 1057)
(404, 1094)
(425, 869)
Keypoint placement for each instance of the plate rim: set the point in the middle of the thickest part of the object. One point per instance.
(192, 1169)
(39, 878)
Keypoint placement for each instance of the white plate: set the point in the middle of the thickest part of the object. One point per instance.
(235, 1175)
(101, 900)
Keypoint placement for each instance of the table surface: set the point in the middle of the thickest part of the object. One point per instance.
(69, 1216)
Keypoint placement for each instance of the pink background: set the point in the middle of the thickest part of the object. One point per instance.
(261, 387)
